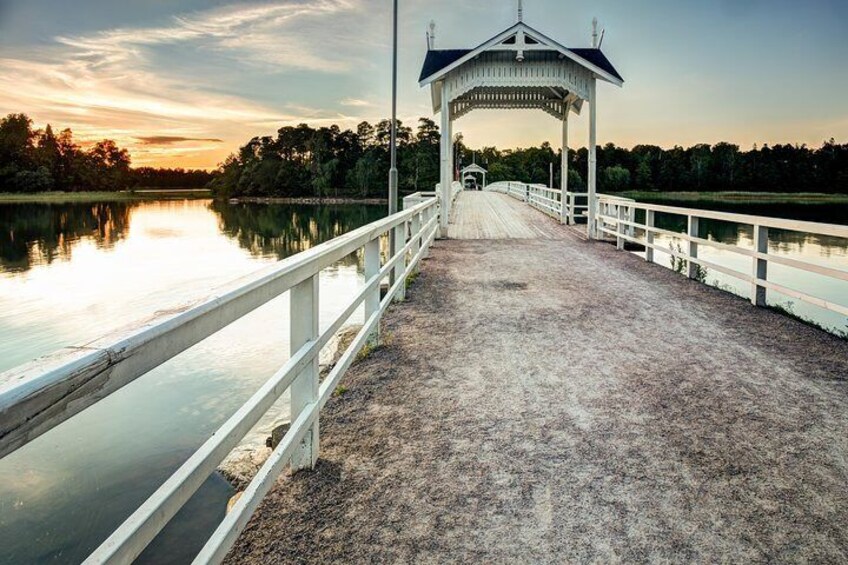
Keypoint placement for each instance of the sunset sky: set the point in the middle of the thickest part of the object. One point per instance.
(186, 82)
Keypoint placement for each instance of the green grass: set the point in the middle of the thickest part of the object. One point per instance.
(410, 280)
(787, 309)
(94, 196)
(739, 197)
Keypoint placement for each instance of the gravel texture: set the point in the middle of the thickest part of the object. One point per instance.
(557, 401)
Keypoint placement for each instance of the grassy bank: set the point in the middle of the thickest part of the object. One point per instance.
(83, 197)
(739, 197)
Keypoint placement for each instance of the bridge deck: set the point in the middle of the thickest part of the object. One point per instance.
(490, 215)
(555, 401)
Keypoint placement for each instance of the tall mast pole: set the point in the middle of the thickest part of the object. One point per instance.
(393, 172)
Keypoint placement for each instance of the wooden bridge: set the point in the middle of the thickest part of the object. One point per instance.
(539, 396)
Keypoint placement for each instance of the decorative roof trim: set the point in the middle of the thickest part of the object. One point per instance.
(521, 26)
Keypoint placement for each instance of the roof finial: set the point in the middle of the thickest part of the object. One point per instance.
(595, 33)
(520, 10)
(431, 42)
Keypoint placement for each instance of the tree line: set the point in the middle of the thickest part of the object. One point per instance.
(329, 161)
(302, 161)
(41, 160)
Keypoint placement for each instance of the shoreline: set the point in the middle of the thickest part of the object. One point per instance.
(305, 200)
(83, 197)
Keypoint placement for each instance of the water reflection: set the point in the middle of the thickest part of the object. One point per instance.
(35, 234)
(70, 273)
(39, 234)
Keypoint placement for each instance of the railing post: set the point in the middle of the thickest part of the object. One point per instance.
(372, 300)
(692, 231)
(425, 219)
(400, 242)
(619, 240)
(649, 236)
(304, 389)
(572, 213)
(758, 292)
(414, 228)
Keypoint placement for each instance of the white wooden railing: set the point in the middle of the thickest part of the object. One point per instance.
(38, 396)
(544, 199)
(616, 217)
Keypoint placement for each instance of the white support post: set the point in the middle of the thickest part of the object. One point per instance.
(304, 390)
(415, 227)
(447, 151)
(758, 292)
(400, 242)
(567, 215)
(593, 157)
(620, 228)
(426, 217)
(372, 300)
(693, 247)
(649, 236)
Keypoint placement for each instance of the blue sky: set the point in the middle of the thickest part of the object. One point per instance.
(186, 82)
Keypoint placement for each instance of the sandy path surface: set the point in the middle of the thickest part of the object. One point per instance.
(557, 401)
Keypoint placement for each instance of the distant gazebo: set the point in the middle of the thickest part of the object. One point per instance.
(516, 69)
(471, 170)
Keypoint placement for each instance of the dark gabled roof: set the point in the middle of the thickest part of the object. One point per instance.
(439, 59)
(597, 58)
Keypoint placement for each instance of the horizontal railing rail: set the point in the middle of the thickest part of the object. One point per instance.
(616, 217)
(42, 394)
(547, 200)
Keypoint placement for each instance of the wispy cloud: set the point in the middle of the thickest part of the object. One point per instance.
(356, 103)
(172, 139)
(94, 81)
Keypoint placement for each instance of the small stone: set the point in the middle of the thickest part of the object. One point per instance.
(233, 500)
(277, 435)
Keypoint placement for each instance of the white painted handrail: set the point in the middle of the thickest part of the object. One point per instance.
(40, 395)
(616, 217)
(544, 199)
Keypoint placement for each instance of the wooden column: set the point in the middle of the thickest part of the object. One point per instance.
(760, 271)
(372, 301)
(650, 219)
(445, 166)
(304, 390)
(593, 155)
(567, 214)
(693, 230)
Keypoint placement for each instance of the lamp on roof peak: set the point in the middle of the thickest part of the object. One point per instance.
(431, 35)
(520, 10)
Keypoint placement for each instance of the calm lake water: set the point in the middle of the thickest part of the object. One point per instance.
(70, 273)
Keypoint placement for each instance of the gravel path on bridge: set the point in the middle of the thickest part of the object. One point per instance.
(558, 401)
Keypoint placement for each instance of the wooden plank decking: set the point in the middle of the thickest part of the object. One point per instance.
(491, 215)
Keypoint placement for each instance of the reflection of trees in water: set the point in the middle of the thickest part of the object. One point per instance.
(281, 230)
(31, 234)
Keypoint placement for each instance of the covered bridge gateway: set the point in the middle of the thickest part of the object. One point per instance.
(519, 68)
(471, 170)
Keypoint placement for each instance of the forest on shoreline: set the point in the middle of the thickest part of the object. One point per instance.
(34, 161)
(302, 161)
